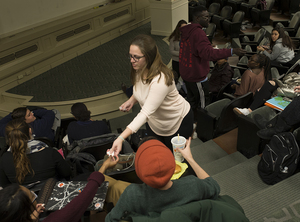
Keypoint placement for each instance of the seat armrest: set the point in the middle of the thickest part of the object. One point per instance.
(283, 22)
(229, 96)
(249, 35)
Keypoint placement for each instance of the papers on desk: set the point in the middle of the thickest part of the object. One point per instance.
(277, 103)
(65, 192)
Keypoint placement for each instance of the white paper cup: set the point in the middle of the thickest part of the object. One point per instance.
(178, 142)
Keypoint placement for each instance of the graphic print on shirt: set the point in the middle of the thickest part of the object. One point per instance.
(185, 56)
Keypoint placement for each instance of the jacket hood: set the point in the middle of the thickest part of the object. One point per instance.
(188, 29)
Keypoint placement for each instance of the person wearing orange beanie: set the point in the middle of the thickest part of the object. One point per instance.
(155, 165)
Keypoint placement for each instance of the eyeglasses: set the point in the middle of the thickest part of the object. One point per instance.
(135, 58)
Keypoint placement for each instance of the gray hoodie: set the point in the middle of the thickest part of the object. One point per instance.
(280, 53)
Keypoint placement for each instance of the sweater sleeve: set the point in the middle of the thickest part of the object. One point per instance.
(61, 166)
(73, 211)
(3, 123)
(45, 120)
(275, 53)
(243, 88)
(157, 93)
(209, 188)
(173, 51)
(206, 51)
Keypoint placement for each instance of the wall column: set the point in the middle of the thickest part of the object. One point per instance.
(165, 15)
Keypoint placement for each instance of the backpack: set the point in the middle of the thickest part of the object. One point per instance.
(136, 138)
(279, 158)
(81, 163)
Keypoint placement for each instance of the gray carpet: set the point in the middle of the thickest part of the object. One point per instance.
(241, 180)
(96, 72)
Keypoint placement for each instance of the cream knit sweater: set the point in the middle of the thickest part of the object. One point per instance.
(161, 106)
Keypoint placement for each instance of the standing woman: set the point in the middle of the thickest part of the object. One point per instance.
(281, 47)
(165, 112)
(174, 46)
(28, 160)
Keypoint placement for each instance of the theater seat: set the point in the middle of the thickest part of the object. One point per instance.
(224, 14)
(218, 118)
(213, 9)
(262, 16)
(246, 7)
(253, 39)
(248, 143)
(291, 26)
(210, 31)
(232, 28)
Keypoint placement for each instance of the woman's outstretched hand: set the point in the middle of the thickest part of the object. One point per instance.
(116, 147)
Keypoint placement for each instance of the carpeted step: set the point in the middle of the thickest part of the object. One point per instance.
(241, 180)
(196, 142)
(281, 200)
(224, 163)
(207, 152)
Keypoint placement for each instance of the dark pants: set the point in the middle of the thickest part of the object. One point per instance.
(197, 95)
(175, 67)
(185, 130)
(263, 95)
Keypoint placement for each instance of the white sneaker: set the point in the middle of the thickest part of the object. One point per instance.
(195, 135)
(243, 111)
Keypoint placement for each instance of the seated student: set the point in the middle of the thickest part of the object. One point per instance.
(84, 127)
(282, 122)
(281, 48)
(254, 78)
(28, 160)
(17, 203)
(40, 120)
(155, 165)
(220, 75)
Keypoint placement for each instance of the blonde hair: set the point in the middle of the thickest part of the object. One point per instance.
(154, 63)
(17, 135)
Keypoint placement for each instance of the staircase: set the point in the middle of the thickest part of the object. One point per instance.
(238, 178)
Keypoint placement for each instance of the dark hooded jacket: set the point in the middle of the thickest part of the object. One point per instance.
(220, 76)
(196, 52)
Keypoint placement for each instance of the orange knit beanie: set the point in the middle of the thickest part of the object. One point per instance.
(154, 163)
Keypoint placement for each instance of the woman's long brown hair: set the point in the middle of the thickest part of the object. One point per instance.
(154, 63)
(17, 135)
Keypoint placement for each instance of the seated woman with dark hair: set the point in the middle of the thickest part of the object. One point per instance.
(28, 160)
(84, 127)
(40, 120)
(254, 78)
(281, 48)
